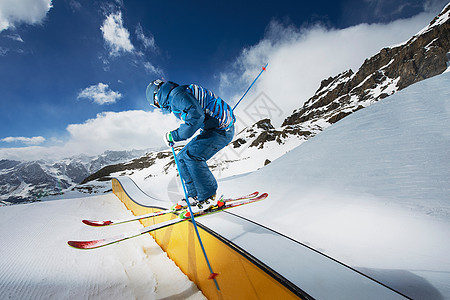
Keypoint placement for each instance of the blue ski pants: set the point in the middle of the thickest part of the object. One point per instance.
(196, 174)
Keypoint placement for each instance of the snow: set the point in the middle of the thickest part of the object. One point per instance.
(440, 19)
(372, 191)
(37, 263)
(430, 45)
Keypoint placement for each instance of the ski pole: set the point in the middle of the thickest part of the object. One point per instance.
(212, 275)
(263, 69)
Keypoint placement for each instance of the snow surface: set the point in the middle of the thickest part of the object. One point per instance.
(372, 191)
(37, 263)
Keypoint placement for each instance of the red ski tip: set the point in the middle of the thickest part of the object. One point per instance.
(213, 276)
(85, 244)
(97, 223)
(264, 68)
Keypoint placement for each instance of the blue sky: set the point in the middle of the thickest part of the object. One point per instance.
(73, 73)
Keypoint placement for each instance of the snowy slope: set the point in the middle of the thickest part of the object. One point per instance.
(37, 263)
(372, 191)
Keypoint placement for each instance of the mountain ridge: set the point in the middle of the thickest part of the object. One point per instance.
(29, 181)
(422, 56)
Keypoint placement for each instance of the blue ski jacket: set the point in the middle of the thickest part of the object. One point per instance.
(196, 106)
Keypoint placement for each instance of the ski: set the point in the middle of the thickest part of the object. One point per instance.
(182, 217)
(121, 237)
(155, 214)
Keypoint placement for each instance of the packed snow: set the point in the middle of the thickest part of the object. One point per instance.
(37, 263)
(372, 191)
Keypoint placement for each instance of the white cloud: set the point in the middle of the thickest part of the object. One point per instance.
(15, 37)
(100, 94)
(119, 131)
(299, 58)
(108, 131)
(147, 41)
(27, 141)
(116, 35)
(13, 12)
(117, 38)
(151, 69)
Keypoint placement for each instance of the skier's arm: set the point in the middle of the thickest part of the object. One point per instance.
(191, 112)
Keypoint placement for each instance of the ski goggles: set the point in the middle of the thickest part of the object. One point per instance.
(158, 84)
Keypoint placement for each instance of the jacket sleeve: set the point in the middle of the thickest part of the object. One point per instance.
(189, 110)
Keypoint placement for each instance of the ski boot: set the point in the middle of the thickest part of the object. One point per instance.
(183, 204)
(206, 205)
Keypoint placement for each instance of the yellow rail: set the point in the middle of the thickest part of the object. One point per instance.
(239, 277)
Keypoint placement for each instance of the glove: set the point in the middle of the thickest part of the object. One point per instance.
(168, 139)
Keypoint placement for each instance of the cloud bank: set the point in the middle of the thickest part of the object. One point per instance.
(119, 131)
(108, 131)
(300, 58)
(13, 12)
(25, 140)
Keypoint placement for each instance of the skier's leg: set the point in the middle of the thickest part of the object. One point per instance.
(204, 181)
(198, 151)
(185, 174)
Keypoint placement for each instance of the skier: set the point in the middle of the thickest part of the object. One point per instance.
(199, 109)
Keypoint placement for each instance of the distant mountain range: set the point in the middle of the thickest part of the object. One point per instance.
(27, 181)
(423, 56)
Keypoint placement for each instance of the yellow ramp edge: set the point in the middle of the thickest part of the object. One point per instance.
(239, 277)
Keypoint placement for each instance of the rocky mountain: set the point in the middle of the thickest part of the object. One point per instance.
(423, 56)
(392, 69)
(25, 181)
